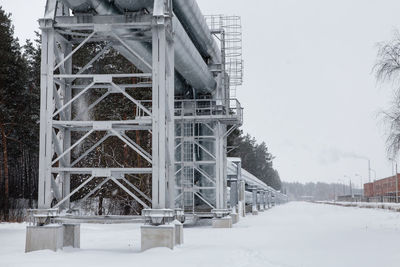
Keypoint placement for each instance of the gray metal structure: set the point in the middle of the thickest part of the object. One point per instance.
(63, 35)
(190, 115)
(258, 196)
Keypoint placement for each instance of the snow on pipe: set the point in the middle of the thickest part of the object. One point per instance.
(249, 178)
(188, 13)
(196, 26)
(188, 61)
(193, 21)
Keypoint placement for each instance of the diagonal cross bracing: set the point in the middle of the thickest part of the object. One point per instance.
(136, 189)
(74, 192)
(90, 149)
(73, 99)
(131, 98)
(74, 51)
(132, 146)
(129, 192)
(73, 146)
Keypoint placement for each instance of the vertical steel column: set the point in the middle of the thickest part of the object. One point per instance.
(234, 194)
(242, 198)
(235, 184)
(171, 119)
(262, 204)
(254, 206)
(163, 122)
(159, 113)
(265, 199)
(46, 112)
(221, 182)
(66, 132)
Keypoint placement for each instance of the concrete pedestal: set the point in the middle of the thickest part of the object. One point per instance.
(178, 232)
(242, 209)
(44, 237)
(72, 235)
(235, 218)
(158, 236)
(225, 222)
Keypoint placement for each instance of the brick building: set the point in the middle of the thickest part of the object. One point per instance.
(382, 188)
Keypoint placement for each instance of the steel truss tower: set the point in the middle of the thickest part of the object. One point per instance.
(188, 171)
(61, 87)
(201, 134)
(203, 126)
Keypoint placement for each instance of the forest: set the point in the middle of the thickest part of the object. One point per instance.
(19, 131)
(319, 191)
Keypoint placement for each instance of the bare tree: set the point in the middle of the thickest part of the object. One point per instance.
(387, 69)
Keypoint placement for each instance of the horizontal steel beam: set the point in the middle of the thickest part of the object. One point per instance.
(143, 121)
(112, 170)
(102, 77)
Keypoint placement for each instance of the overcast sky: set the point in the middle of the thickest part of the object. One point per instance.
(309, 91)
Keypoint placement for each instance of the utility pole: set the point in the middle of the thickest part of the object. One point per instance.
(369, 170)
(361, 183)
(334, 192)
(396, 178)
(397, 185)
(351, 191)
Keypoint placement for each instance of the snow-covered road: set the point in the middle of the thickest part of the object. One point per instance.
(296, 234)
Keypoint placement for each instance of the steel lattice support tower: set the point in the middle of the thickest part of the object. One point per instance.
(62, 37)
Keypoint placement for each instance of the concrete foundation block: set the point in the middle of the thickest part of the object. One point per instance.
(72, 235)
(225, 222)
(242, 209)
(178, 233)
(235, 218)
(157, 236)
(44, 237)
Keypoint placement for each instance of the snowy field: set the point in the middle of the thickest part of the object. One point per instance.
(368, 205)
(296, 234)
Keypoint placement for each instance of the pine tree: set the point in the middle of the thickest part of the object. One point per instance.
(16, 114)
(256, 158)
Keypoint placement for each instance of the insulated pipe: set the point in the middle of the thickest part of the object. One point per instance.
(254, 182)
(196, 26)
(188, 61)
(187, 11)
(193, 21)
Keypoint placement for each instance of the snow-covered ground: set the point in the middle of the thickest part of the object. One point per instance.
(368, 205)
(296, 234)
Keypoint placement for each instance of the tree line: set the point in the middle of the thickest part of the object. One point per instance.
(19, 130)
(19, 117)
(256, 158)
(318, 191)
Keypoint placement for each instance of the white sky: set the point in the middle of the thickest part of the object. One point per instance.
(309, 91)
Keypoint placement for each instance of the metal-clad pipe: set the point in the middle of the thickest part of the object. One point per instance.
(78, 5)
(193, 21)
(187, 11)
(188, 61)
(141, 48)
(135, 5)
